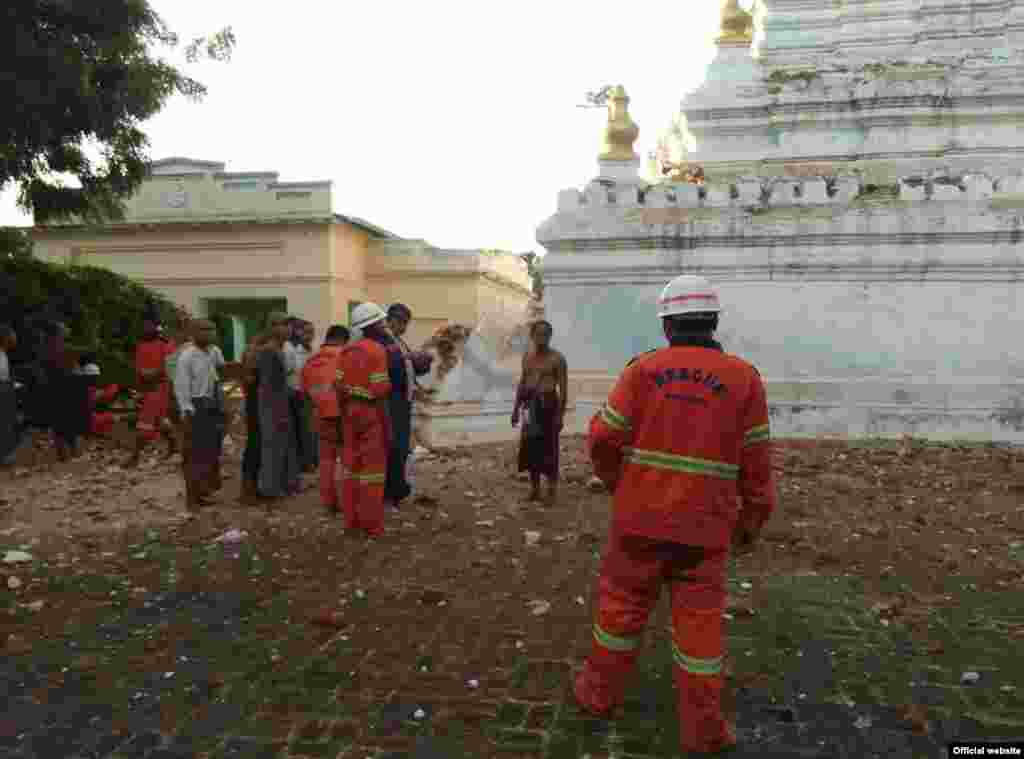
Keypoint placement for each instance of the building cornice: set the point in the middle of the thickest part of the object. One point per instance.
(188, 247)
(638, 274)
(954, 108)
(471, 273)
(695, 240)
(272, 279)
(58, 230)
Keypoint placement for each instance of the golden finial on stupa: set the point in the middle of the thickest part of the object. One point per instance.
(621, 132)
(737, 24)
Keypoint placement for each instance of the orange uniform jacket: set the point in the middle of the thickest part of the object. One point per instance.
(318, 376)
(150, 355)
(363, 371)
(683, 433)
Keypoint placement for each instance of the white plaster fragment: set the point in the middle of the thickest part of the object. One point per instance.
(911, 190)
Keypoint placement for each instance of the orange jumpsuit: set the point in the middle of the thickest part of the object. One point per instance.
(366, 432)
(318, 376)
(155, 404)
(683, 434)
(101, 422)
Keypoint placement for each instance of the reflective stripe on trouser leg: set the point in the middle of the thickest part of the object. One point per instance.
(698, 653)
(364, 456)
(627, 590)
(369, 505)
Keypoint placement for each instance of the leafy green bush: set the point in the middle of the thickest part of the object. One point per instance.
(103, 310)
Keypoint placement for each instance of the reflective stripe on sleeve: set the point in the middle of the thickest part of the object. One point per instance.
(359, 392)
(614, 419)
(757, 434)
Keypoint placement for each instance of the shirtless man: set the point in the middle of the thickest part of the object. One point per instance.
(543, 392)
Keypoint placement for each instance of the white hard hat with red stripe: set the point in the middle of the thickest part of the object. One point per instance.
(687, 294)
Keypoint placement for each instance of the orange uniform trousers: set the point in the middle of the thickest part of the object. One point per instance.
(329, 431)
(632, 574)
(364, 455)
(154, 408)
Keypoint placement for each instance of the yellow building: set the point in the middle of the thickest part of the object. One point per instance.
(235, 246)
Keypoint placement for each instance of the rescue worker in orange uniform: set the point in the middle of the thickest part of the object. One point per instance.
(154, 389)
(683, 433)
(101, 423)
(363, 388)
(318, 377)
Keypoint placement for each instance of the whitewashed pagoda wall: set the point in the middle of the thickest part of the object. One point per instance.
(862, 215)
(868, 316)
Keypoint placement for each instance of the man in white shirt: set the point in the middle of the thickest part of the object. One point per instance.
(197, 389)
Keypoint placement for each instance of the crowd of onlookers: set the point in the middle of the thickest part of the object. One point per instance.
(53, 390)
(179, 398)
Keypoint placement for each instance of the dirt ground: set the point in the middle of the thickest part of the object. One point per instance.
(469, 576)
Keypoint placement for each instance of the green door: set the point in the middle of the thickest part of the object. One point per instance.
(239, 319)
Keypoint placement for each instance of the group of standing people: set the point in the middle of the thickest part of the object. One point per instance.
(350, 400)
(63, 393)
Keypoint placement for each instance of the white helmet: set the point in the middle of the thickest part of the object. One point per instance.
(366, 314)
(687, 294)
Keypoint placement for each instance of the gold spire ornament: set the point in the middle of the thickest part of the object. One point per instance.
(737, 24)
(621, 132)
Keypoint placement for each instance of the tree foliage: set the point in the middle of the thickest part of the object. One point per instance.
(533, 267)
(103, 310)
(80, 74)
(15, 243)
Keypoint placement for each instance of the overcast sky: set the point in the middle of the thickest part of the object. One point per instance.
(451, 121)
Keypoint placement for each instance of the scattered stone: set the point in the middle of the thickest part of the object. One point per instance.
(863, 722)
(13, 583)
(916, 716)
(532, 537)
(969, 678)
(433, 597)
(36, 605)
(17, 645)
(85, 663)
(539, 607)
(328, 618)
(419, 714)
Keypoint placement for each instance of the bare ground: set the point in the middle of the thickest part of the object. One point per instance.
(905, 532)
